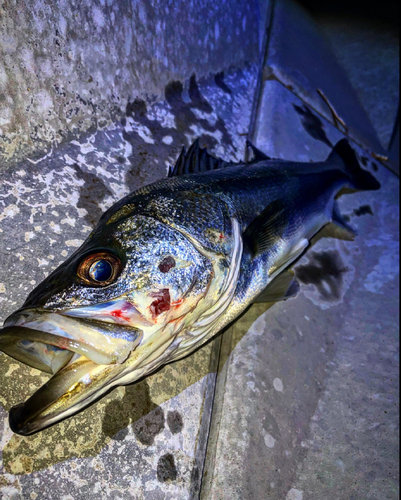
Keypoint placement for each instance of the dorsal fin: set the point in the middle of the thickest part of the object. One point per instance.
(195, 161)
(258, 155)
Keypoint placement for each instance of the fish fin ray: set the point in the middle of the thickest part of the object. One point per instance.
(282, 287)
(266, 228)
(258, 155)
(337, 228)
(195, 161)
(293, 254)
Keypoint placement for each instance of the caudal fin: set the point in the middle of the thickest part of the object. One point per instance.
(343, 155)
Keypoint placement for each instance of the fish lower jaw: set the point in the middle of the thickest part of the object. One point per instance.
(74, 387)
(82, 381)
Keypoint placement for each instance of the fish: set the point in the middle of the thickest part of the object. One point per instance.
(168, 267)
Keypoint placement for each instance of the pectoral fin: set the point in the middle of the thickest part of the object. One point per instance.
(289, 257)
(266, 229)
(282, 287)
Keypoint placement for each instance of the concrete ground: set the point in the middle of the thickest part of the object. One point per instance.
(306, 403)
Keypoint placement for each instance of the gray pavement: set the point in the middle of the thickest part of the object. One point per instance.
(306, 403)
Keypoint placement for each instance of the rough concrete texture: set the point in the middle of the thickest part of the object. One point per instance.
(306, 403)
(369, 52)
(71, 67)
(146, 440)
(299, 57)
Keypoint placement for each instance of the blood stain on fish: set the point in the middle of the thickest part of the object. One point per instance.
(161, 302)
(119, 314)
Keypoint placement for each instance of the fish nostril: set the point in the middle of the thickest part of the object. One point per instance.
(166, 264)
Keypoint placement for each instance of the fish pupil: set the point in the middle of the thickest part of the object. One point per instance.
(100, 270)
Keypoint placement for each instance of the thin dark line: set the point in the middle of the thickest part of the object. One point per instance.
(259, 83)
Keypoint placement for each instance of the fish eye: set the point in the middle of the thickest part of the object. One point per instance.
(99, 269)
(166, 264)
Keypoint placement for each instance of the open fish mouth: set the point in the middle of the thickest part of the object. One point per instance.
(84, 356)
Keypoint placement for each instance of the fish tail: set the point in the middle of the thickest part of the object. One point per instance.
(344, 155)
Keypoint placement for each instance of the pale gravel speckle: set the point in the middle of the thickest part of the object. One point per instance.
(278, 384)
(269, 440)
(294, 494)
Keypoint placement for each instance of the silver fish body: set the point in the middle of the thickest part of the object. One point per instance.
(169, 266)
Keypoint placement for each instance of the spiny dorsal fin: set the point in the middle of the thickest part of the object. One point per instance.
(263, 232)
(195, 161)
(258, 155)
(282, 287)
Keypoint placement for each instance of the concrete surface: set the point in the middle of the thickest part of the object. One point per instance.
(147, 440)
(306, 403)
(68, 67)
(299, 57)
(368, 50)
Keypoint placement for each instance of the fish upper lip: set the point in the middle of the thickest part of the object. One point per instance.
(100, 342)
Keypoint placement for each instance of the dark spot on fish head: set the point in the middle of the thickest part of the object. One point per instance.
(374, 166)
(121, 159)
(174, 421)
(166, 468)
(364, 160)
(325, 271)
(363, 210)
(219, 81)
(149, 426)
(312, 124)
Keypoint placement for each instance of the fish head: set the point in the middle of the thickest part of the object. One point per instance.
(114, 311)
